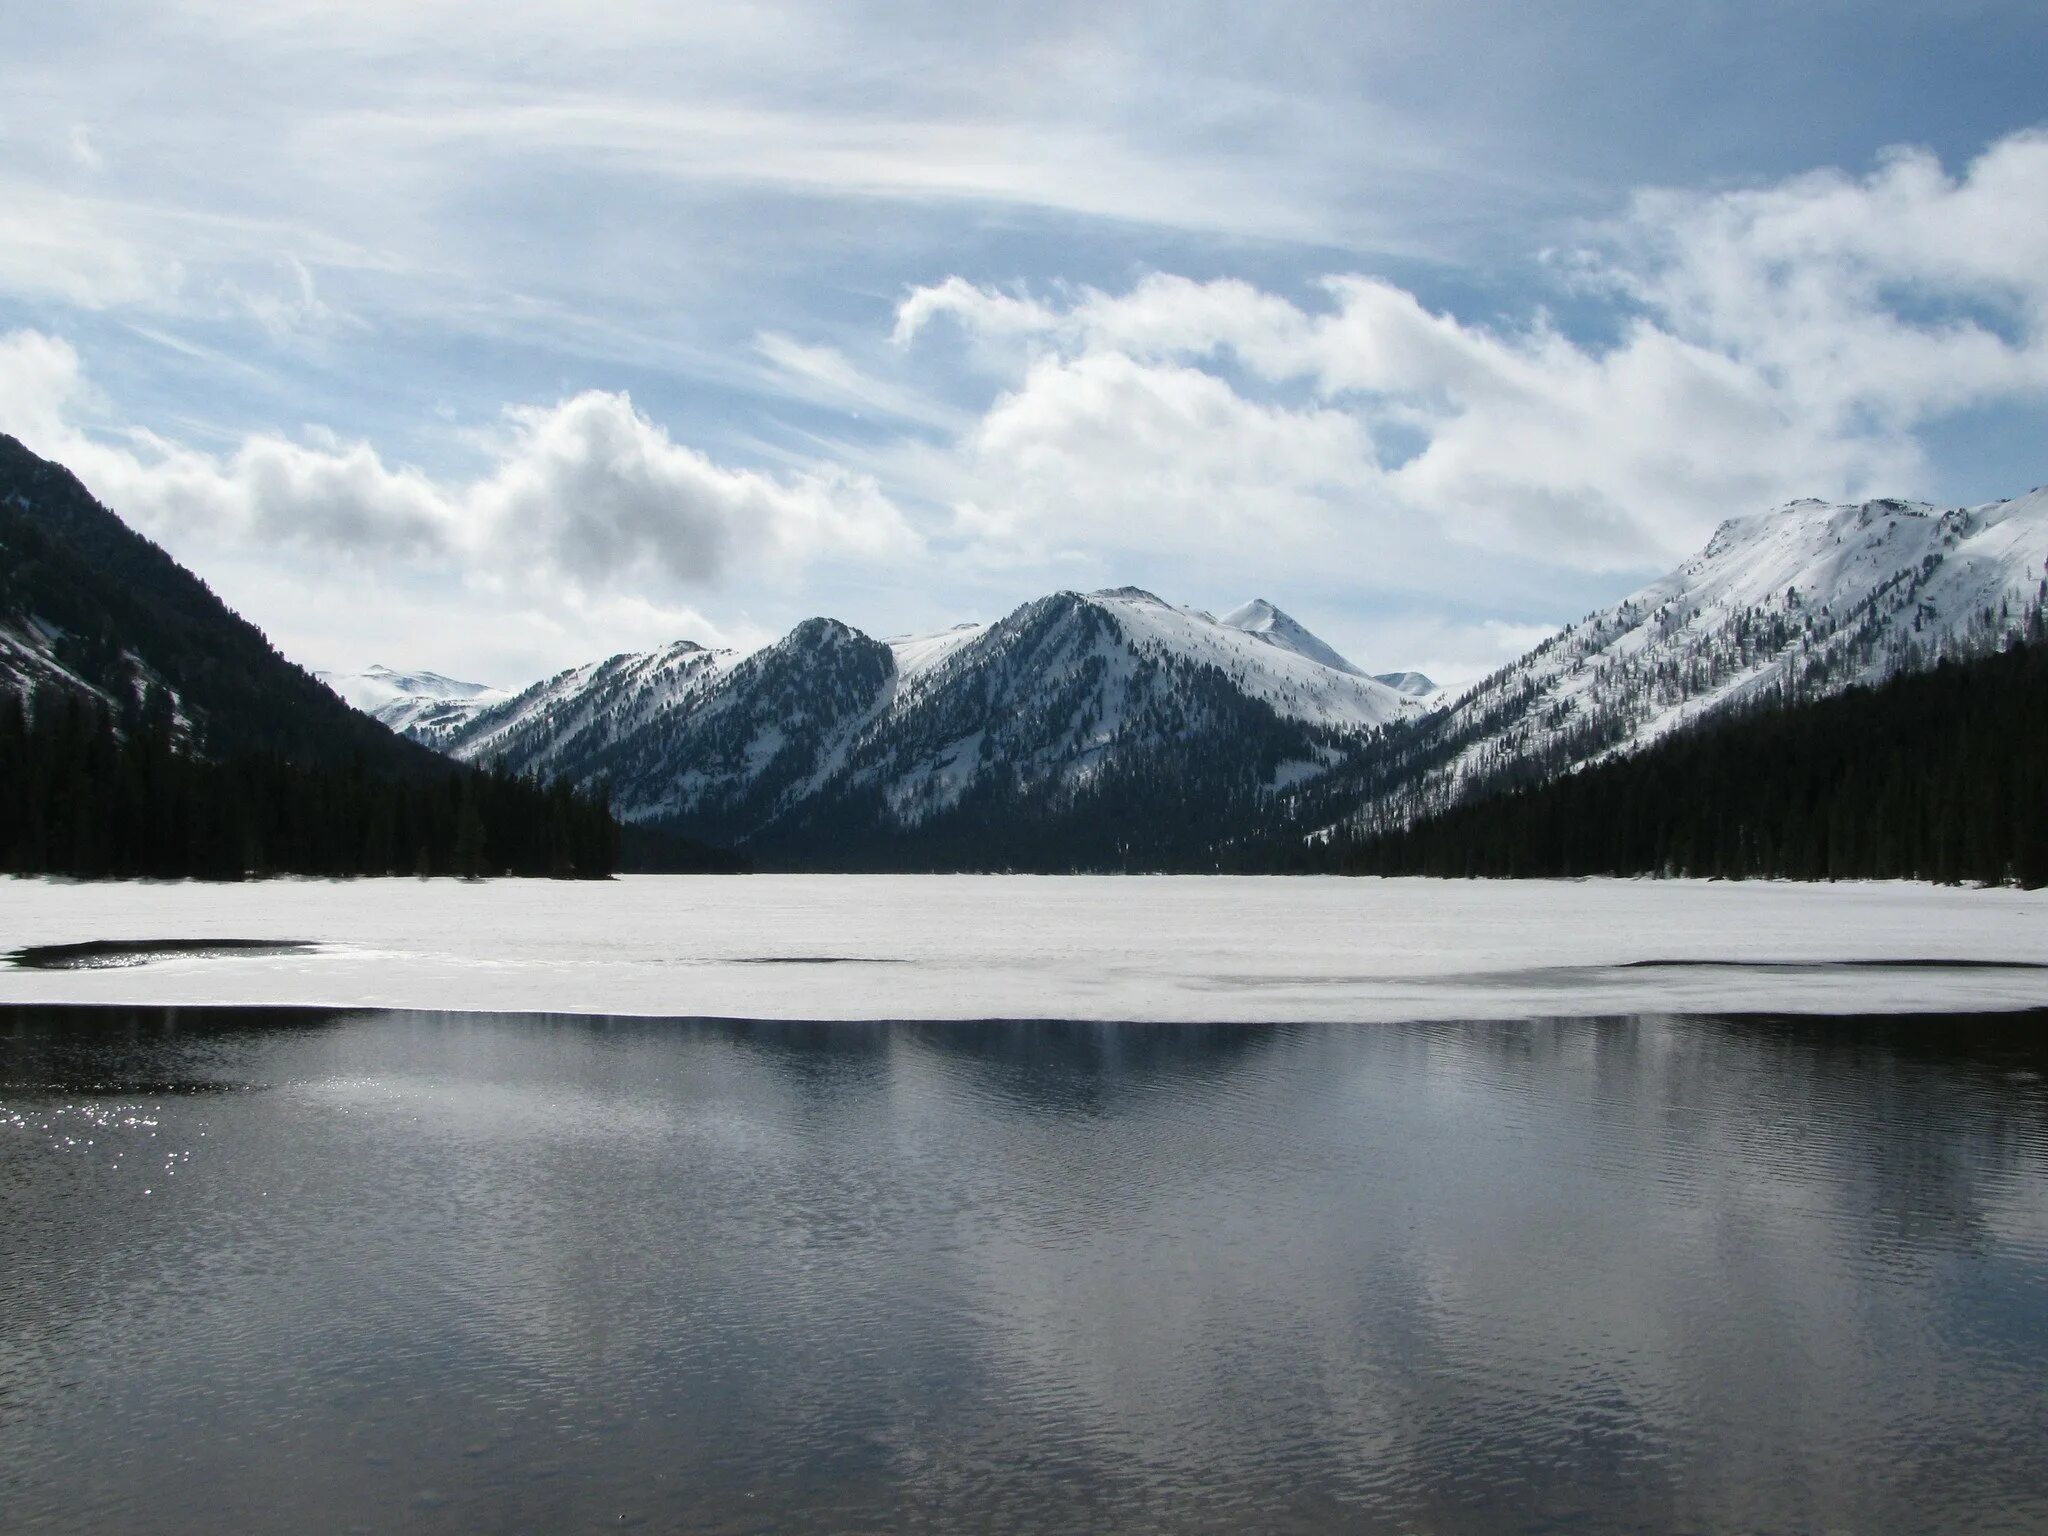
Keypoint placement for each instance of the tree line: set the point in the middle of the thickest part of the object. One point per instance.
(87, 794)
(1938, 775)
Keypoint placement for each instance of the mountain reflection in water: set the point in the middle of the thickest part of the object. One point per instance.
(465, 1272)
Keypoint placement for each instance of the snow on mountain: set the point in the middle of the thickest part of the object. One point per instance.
(1115, 720)
(1261, 618)
(423, 705)
(1803, 601)
(828, 725)
(28, 661)
(920, 653)
(767, 735)
(1414, 684)
(581, 715)
(1076, 686)
(381, 686)
(1280, 663)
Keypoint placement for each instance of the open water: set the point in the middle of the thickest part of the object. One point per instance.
(315, 1271)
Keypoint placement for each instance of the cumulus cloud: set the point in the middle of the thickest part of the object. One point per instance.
(601, 491)
(1109, 450)
(578, 497)
(1900, 294)
(1178, 405)
(40, 382)
(1775, 342)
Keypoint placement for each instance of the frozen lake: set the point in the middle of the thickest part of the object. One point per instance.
(1008, 947)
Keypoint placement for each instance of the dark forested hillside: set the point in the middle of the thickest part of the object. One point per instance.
(146, 729)
(1939, 775)
(88, 605)
(83, 795)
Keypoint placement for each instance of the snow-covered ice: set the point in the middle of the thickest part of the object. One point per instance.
(1089, 948)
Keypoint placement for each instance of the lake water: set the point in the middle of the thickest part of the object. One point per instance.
(311, 1271)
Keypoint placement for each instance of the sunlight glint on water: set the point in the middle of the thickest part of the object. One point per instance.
(275, 1271)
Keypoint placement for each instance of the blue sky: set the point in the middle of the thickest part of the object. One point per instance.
(496, 338)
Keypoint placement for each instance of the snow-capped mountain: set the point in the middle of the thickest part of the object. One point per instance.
(1073, 700)
(578, 715)
(423, 705)
(1806, 600)
(1092, 729)
(1416, 685)
(1261, 618)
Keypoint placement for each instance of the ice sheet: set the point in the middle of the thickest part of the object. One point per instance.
(975, 947)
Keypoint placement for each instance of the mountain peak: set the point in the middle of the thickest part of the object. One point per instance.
(1254, 615)
(1415, 684)
(822, 631)
(1131, 595)
(1261, 618)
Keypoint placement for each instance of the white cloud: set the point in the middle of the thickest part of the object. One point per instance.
(983, 311)
(1898, 295)
(79, 251)
(826, 376)
(40, 382)
(1066, 165)
(1779, 342)
(1750, 345)
(580, 499)
(600, 491)
(84, 152)
(1168, 408)
(1117, 454)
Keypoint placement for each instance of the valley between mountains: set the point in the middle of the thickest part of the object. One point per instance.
(1108, 730)
(1114, 729)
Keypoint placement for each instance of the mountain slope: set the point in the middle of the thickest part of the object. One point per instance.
(90, 607)
(1261, 618)
(1415, 684)
(1102, 730)
(1938, 775)
(830, 742)
(423, 705)
(1800, 602)
(572, 720)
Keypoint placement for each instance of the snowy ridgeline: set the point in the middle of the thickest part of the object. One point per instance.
(1796, 603)
(426, 706)
(830, 727)
(971, 947)
(1080, 711)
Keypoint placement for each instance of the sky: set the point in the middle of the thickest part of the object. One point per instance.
(496, 338)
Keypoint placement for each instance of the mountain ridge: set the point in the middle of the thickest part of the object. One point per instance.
(426, 706)
(1104, 729)
(829, 726)
(1802, 601)
(1077, 699)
